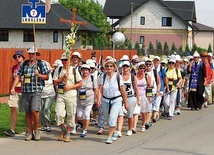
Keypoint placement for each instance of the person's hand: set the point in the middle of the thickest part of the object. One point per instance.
(36, 72)
(66, 87)
(66, 75)
(126, 106)
(138, 102)
(12, 91)
(98, 104)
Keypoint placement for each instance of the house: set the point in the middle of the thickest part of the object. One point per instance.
(14, 34)
(157, 21)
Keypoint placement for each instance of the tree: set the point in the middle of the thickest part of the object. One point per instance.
(159, 47)
(166, 48)
(90, 11)
(137, 47)
(187, 48)
(130, 46)
(173, 49)
(209, 49)
(151, 48)
(194, 48)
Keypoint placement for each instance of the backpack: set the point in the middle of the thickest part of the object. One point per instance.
(156, 72)
(39, 64)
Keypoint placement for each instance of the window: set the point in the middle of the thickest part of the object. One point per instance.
(28, 36)
(55, 36)
(4, 35)
(142, 40)
(166, 21)
(142, 20)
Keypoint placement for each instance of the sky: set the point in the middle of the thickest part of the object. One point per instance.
(204, 11)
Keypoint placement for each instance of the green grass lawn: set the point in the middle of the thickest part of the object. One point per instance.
(21, 123)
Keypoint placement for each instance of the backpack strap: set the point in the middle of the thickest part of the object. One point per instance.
(92, 80)
(118, 79)
(59, 70)
(74, 72)
(155, 74)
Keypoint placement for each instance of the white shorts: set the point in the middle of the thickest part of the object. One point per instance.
(14, 100)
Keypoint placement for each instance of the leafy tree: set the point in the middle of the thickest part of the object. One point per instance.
(173, 47)
(123, 46)
(187, 48)
(102, 43)
(194, 48)
(180, 49)
(159, 46)
(91, 11)
(209, 50)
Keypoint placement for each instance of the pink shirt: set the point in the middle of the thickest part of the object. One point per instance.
(141, 85)
(15, 69)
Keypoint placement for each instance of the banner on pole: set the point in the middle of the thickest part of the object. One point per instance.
(33, 13)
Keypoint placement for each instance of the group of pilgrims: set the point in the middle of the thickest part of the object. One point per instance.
(146, 87)
(139, 89)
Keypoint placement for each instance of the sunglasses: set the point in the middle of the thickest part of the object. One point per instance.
(148, 64)
(18, 56)
(109, 66)
(92, 68)
(171, 63)
(64, 59)
(142, 68)
(125, 66)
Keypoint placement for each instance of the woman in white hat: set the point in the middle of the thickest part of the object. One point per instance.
(174, 80)
(87, 95)
(111, 93)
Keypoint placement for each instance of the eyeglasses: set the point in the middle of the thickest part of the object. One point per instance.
(64, 59)
(135, 62)
(171, 63)
(109, 66)
(18, 56)
(148, 64)
(125, 66)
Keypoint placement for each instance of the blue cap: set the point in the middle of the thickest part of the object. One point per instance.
(18, 53)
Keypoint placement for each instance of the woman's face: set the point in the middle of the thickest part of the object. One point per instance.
(126, 68)
(85, 72)
(171, 65)
(141, 68)
(109, 67)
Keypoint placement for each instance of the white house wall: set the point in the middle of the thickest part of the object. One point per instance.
(44, 40)
(153, 12)
(203, 39)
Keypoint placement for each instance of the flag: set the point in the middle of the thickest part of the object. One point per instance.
(47, 5)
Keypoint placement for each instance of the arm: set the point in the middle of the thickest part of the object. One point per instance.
(136, 91)
(15, 82)
(124, 95)
(99, 95)
(75, 86)
(158, 85)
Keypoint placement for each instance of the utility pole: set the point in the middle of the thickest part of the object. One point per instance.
(131, 21)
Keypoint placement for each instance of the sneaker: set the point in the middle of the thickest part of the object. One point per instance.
(119, 133)
(36, 135)
(134, 130)
(109, 141)
(67, 139)
(61, 136)
(48, 129)
(44, 129)
(74, 130)
(93, 122)
(143, 129)
(114, 137)
(129, 133)
(178, 111)
(205, 106)
(84, 134)
(29, 137)
(170, 118)
(9, 133)
(147, 126)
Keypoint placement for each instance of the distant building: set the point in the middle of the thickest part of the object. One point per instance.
(159, 21)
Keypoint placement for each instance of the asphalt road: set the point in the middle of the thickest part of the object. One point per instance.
(191, 133)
